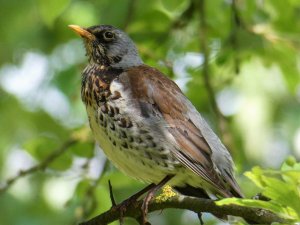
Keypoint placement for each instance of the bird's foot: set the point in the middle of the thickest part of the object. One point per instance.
(149, 197)
(123, 206)
(145, 204)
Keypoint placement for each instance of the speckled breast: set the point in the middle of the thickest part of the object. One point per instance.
(126, 140)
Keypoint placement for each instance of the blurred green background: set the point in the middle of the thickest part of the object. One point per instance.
(238, 61)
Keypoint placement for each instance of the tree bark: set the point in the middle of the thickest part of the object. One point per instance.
(258, 216)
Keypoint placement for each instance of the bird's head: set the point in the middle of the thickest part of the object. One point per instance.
(108, 46)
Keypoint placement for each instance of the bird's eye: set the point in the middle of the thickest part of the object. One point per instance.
(108, 36)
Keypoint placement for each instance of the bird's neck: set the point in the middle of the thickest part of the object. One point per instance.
(98, 69)
(128, 61)
(121, 62)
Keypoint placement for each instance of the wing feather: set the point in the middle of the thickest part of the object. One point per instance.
(193, 149)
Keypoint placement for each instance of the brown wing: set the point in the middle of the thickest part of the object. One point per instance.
(149, 86)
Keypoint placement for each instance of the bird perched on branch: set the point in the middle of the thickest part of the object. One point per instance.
(145, 124)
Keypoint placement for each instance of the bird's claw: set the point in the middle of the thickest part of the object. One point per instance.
(145, 204)
(122, 207)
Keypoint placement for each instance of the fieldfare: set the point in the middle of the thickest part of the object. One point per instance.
(145, 124)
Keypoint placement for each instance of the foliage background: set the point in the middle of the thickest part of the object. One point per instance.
(238, 61)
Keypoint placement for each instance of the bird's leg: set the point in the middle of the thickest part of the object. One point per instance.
(150, 195)
(123, 205)
(151, 189)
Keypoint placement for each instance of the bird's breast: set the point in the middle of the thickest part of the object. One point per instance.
(127, 139)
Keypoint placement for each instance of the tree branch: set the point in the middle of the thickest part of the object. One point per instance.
(236, 24)
(41, 166)
(259, 216)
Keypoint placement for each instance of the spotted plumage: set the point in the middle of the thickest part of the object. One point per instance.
(118, 131)
(145, 124)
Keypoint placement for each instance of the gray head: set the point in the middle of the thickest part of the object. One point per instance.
(108, 46)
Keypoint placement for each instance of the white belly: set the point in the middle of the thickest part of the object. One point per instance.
(138, 160)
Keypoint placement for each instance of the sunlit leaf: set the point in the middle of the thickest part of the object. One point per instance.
(256, 176)
(83, 149)
(280, 186)
(257, 204)
(282, 193)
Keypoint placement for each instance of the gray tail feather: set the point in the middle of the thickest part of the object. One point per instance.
(200, 193)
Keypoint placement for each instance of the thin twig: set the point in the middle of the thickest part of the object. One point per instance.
(206, 73)
(236, 24)
(200, 218)
(90, 203)
(41, 166)
(111, 194)
(129, 14)
(113, 202)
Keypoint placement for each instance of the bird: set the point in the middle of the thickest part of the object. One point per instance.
(145, 124)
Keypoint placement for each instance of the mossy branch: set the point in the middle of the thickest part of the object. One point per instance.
(258, 216)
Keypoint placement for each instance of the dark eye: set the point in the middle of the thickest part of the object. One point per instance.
(108, 36)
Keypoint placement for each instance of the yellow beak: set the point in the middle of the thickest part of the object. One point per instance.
(82, 32)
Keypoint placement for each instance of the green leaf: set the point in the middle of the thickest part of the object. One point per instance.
(256, 176)
(282, 211)
(292, 177)
(282, 193)
(83, 149)
(50, 10)
(63, 162)
(280, 186)
(103, 199)
(291, 171)
(290, 164)
(82, 186)
(40, 147)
